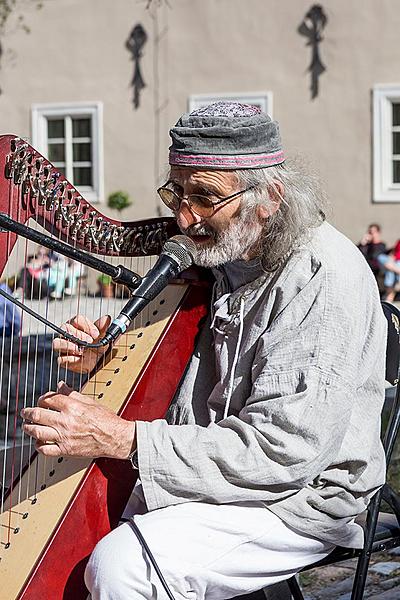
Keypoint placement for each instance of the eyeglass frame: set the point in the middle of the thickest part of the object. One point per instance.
(213, 204)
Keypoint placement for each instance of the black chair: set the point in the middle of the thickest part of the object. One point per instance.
(382, 529)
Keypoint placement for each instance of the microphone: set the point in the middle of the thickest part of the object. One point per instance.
(179, 253)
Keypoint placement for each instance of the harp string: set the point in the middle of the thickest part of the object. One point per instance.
(13, 308)
(5, 533)
(10, 365)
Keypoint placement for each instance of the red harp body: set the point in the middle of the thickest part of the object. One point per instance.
(53, 512)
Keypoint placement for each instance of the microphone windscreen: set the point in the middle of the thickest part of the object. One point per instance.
(181, 249)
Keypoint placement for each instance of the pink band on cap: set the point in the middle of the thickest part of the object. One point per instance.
(240, 161)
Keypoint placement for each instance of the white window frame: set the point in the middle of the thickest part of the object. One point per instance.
(263, 99)
(41, 112)
(384, 190)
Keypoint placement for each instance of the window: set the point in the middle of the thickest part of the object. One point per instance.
(70, 136)
(261, 99)
(386, 137)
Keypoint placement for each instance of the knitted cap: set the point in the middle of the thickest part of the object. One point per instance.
(226, 135)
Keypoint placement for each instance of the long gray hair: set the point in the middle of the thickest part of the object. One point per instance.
(302, 208)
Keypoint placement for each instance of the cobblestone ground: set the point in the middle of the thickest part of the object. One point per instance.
(335, 582)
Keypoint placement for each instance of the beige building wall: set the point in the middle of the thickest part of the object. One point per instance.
(76, 52)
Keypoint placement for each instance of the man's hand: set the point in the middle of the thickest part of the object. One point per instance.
(67, 423)
(366, 239)
(73, 357)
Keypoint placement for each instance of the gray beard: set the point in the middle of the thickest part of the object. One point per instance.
(231, 244)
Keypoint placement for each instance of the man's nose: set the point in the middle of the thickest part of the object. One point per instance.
(185, 216)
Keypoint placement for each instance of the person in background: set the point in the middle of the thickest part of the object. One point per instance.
(10, 317)
(391, 267)
(75, 271)
(371, 246)
(34, 276)
(63, 270)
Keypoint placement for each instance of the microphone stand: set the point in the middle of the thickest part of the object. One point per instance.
(119, 274)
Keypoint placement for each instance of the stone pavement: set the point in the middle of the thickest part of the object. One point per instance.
(335, 582)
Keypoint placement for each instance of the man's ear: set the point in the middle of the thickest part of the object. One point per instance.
(276, 193)
(263, 212)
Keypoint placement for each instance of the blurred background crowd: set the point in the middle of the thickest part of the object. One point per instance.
(383, 260)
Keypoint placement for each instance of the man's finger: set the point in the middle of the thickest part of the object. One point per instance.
(62, 400)
(79, 333)
(48, 449)
(38, 414)
(65, 346)
(57, 402)
(65, 390)
(82, 323)
(42, 433)
(102, 325)
(73, 363)
(49, 393)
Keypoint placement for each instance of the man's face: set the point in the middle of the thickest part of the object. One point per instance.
(373, 232)
(231, 232)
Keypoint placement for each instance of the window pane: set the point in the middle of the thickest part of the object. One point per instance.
(396, 142)
(82, 176)
(396, 171)
(81, 128)
(56, 153)
(82, 152)
(396, 113)
(55, 128)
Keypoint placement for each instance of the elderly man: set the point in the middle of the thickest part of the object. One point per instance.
(271, 447)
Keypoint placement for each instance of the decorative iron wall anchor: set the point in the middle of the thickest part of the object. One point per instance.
(134, 44)
(312, 26)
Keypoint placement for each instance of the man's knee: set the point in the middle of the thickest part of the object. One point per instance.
(116, 566)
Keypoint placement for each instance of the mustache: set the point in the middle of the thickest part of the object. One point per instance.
(200, 229)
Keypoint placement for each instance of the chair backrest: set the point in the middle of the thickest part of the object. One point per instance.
(392, 314)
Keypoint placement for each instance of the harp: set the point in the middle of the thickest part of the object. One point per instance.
(53, 511)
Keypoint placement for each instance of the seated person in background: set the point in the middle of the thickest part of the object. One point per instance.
(75, 271)
(63, 271)
(10, 315)
(371, 246)
(33, 278)
(271, 447)
(391, 265)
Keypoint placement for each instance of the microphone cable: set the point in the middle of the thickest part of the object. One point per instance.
(72, 338)
(79, 342)
(153, 561)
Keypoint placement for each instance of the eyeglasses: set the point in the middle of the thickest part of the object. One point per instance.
(201, 205)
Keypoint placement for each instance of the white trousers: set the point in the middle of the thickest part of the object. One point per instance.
(205, 551)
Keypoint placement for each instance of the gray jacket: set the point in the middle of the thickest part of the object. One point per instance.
(281, 400)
